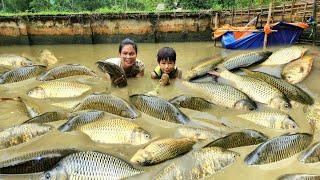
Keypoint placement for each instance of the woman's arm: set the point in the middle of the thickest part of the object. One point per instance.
(140, 74)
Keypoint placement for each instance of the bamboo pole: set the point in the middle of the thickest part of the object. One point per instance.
(315, 20)
(268, 22)
(216, 26)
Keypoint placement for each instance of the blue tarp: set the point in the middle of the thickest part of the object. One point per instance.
(286, 34)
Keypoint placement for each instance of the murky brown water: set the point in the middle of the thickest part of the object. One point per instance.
(188, 54)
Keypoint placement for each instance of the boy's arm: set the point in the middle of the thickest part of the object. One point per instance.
(154, 75)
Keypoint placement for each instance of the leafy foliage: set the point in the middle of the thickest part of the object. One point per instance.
(14, 6)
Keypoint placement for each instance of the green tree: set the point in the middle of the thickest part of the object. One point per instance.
(40, 5)
(16, 5)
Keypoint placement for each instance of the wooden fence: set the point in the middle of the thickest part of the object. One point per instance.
(299, 12)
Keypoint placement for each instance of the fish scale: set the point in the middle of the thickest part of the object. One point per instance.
(202, 69)
(237, 139)
(115, 131)
(279, 148)
(108, 103)
(159, 108)
(270, 119)
(297, 70)
(91, 165)
(162, 150)
(14, 61)
(32, 162)
(66, 71)
(200, 133)
(48, 117)
(21, 74)
(299, 176)
(190, 102)
(222, 94)
(245, 60)
(204, 163)
(311, 155)
(291, 91)
(285, 55)
(22, 133)
(58, 89)
(80, 119)
(258, 90)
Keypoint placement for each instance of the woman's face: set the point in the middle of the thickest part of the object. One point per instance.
(128, 56)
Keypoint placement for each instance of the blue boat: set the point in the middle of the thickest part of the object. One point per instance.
(282, 34)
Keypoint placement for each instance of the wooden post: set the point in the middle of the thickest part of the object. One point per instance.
(315, 20)
(232, 16)
(241, 12)
(216, 25)
(265, 40)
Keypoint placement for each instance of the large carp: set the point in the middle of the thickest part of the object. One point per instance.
(58, 89)
(223, 95)
(14, 61)
(21, 74)
(162, 150)
(258, 90)
(291, 91)
(297, 70)
(285, 55)
(245, 60)
(279, 148)
(66, 71)
(91, 165)
(109, 103)
(198, 164)
(116, 131)
(35, 161)
(158, 108)
(202, 69)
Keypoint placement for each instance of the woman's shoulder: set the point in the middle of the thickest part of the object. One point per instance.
(116, 61)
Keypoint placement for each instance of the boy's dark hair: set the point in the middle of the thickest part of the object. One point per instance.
(166, 53)
(128, 41)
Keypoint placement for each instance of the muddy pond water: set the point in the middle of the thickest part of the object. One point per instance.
(188, 55)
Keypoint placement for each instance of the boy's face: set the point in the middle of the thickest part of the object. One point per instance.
(166, 66)
(128, 56)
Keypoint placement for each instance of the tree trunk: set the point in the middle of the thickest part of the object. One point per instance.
(3, 7)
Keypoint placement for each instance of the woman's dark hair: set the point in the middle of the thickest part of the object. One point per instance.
(128, 41)
(166, 53)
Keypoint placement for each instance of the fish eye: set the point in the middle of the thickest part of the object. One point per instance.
(47, 175)
(286, 105)
(147, 136)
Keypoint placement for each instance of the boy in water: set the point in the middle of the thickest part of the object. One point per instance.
(166, 68)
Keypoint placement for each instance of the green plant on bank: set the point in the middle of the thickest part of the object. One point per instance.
(22, 7)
